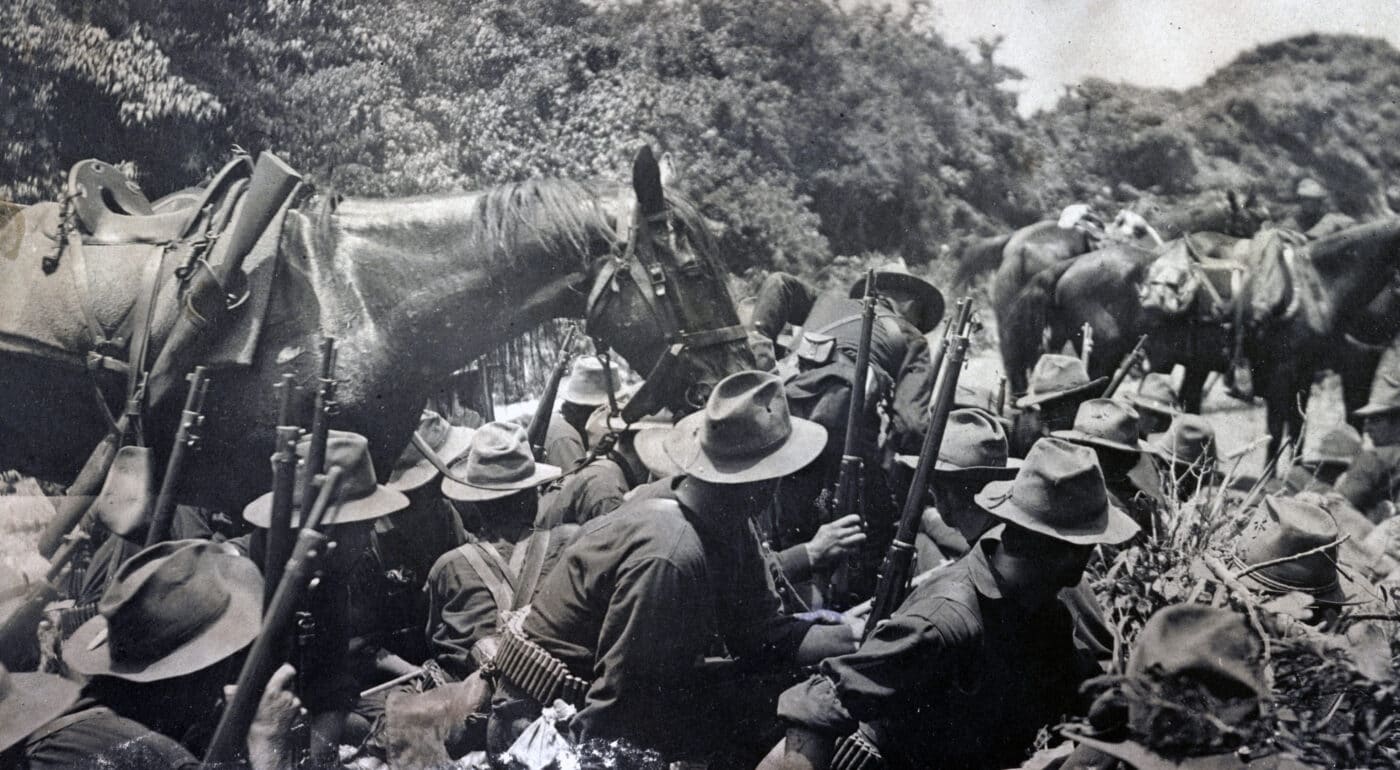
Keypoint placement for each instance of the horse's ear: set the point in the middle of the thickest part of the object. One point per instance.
(1233, 198)
(646, 182)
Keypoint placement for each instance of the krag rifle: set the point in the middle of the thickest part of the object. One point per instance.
(186, 440)
(539, 423)
(309, 554)
(1134, 356)
(326, 408)
(895, 571)
(849, 495)
(280, 534)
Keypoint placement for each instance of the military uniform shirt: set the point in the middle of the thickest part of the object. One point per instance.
(641, 596)
(958, 677)
(594, 491)
(564, 446)
(103, 738)
(1372, 479)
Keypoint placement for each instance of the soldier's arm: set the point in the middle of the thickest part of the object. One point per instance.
(461, 612)
(782, 299)
(913, 388)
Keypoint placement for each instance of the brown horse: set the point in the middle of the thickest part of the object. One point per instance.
(1302, 302)
(412, 289)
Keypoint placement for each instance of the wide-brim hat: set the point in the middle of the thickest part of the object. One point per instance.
(172, 609)
(1338, 446)
(603, 420)
(1156, 394)
(588, 383)
(1056, 377)
(361, 496)
(974, 448)
(744, 434)
(1188, 440)
(29, 700)
(1105, 422)
(498, 464)
(1059, 492)
(896, 276)
(651, 449)
(413, 469)
(1294, 527)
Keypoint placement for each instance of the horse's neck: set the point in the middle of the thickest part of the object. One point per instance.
(438, 281)
(1353, 266)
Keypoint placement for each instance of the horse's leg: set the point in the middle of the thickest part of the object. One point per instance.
(1357, 369)
(1193, 387)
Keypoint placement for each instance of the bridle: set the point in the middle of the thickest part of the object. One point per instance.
(638, 261)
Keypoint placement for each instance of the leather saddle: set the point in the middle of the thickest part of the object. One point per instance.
(112, 209)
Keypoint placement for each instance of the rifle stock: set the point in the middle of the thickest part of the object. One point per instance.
(308, 555)
(1129, 361)
(186, 438)
(539, 423)
(895, 571)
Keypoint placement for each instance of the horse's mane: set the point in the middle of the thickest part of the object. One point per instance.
(498, 222)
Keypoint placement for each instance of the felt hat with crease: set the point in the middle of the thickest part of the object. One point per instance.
(27, 701)
(1056, 376)
(974, 448)
(744, 434)
(1105, 422)
(172, 609)
(412, 470)
(895, 276)
(1059, 493)
(361, 496)
(498, 463)
(588, 383)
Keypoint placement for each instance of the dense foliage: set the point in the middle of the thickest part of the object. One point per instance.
(807, 129)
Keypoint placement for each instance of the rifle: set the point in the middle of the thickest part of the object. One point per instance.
(894, 572)
(186, 439)
(18, 630)
(326, 408)
(849, 495)
(308, 555)
(539, 423)
(280, 535)
(1129, 361)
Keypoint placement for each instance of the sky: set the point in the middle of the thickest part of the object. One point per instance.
(1159, 43)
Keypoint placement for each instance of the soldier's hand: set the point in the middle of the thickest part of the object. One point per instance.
(279, 709)
(834, 540)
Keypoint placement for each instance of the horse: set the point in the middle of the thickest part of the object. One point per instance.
(1041, 246)
(1301, 302)
(412, 289)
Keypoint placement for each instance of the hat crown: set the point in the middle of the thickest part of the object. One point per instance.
(973, 440)
(1199, 641)
(1294, 527)
(1108, 419)
(1061, 485)
(1054, 373)
(164, 596)
(970, 396)
(1341, 444)
(349, 451)
(1156, 388)
(499, 456)
(588, 382)
(1189, 438)
(746, 414)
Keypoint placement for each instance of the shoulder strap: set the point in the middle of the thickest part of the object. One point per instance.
(501, 588)
(536, 549)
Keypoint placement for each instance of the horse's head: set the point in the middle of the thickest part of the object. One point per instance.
(1247, 213)
(661, 300)
(1171, 284)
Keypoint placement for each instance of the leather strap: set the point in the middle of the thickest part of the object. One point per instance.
(501, 588)
(77, 262)
(535, 550)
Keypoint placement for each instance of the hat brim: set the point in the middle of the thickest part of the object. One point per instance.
(1370, 410)
(33, 699)
(931, 302)
(543, 474)
(650, 445)
(87, 651)
(1080, 437)
(1115, 528)
(574, 395)
(1040, 398)
(381, 502)
(411, 477)
(803, 445)
(947, 470)
(1156, 407)
(1142, 758)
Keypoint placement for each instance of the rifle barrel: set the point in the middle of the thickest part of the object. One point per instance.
(539, 422)
(280, 535)
(185, 437)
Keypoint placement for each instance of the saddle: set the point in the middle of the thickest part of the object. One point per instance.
(111, 209)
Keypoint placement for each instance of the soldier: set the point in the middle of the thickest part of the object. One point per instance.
(974, 452)
(652, 588)
(599, 487)
(1293, 546)
(1156, 402)
(1058, 385)
(1187, 453)
(157, 659)
(566, 440)
(27, 702)
(502, 565)
(1201, 669)
(980, 656)
(1110, 428)
(1372, 483)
